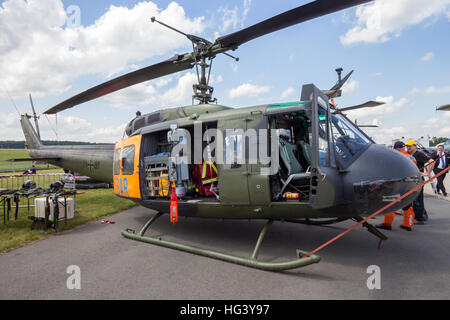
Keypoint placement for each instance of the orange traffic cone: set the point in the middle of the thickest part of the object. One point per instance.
(173, 205)
(388, 220)
(408, 218)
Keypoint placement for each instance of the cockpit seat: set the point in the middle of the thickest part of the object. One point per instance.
(306, 150)
(295, 169)
(287, 154)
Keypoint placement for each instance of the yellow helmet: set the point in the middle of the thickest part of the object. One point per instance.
(411, 143)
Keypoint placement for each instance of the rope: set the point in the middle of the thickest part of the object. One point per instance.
(433, 161)
(375, 213)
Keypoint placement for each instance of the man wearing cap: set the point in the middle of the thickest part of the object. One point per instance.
(408, 212)
(421, 161)
(442, 161)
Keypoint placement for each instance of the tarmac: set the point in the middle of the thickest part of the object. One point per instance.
(430, 187)
(413, 265)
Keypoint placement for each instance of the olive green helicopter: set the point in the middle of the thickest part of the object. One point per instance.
(301, 162)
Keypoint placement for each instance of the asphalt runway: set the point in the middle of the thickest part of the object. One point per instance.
(413, 265)
(429, 187)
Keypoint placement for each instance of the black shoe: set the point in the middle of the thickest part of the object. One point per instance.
(445, 194)
(383, 226)
(406, 228)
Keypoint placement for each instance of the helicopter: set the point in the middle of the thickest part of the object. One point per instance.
(300, 162)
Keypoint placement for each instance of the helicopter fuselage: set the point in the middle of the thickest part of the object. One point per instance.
(328, 164)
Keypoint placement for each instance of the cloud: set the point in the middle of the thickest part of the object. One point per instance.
(434, 90)
(390, 106)
(157, 95)
(350, 86)
(386, 135)
(69, 128)
(287, 93)
(247, 90)
(41, 56)
(233, 18)
(438, 126)
(382, 20)
(429, 90)
(163, 82)
(230, 18)
(234, 67)
(414, 91)
(434, 126)
(427, 56)
(145, 94)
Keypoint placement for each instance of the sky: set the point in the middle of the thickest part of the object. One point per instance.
(54, 49)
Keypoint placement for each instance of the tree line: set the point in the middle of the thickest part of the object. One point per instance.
(435, 141)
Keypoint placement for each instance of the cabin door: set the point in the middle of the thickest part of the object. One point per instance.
(126, 167)
(234, 171)
(323, 166)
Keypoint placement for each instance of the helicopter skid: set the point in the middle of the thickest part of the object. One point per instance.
(251, 262)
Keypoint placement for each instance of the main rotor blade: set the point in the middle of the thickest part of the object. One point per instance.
(339, 84)
(289, 18)
(444, 108)
(336, 91)
(367, 125)
(169, 66)
(368, 104)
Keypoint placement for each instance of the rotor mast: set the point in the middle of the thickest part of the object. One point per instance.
(202, 50)
(202, 90)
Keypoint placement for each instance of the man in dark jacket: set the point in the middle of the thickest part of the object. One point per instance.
(442, 161)
(422, 161)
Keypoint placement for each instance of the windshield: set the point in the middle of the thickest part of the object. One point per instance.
(348, 139)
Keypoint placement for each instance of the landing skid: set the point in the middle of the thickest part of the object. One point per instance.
(251, 262)
(316, 222)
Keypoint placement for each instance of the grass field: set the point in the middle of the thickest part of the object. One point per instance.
(91, 205)
(18, 167)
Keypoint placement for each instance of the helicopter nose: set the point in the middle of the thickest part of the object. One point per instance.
(379, 176)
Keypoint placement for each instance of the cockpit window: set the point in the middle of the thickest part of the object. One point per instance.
(348, 139)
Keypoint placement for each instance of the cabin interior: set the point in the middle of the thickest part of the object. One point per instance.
(204, 181)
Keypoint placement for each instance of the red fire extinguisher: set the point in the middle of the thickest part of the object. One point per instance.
(173, 205)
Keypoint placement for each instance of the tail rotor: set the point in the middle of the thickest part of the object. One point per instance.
(35, 116)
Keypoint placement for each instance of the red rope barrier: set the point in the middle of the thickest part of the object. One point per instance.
(375, 213)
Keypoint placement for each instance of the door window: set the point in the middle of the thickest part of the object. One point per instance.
(117, 161)
(233, 150)
(128, 160)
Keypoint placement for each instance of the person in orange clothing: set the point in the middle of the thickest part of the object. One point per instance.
(408, 212)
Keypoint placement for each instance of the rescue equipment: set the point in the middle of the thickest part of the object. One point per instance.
(291, 195)
(204, 176)
(163, 185)
(173, 205)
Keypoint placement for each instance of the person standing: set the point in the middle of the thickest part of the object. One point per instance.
(421, 160)
(442, 161)
(408, 212)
